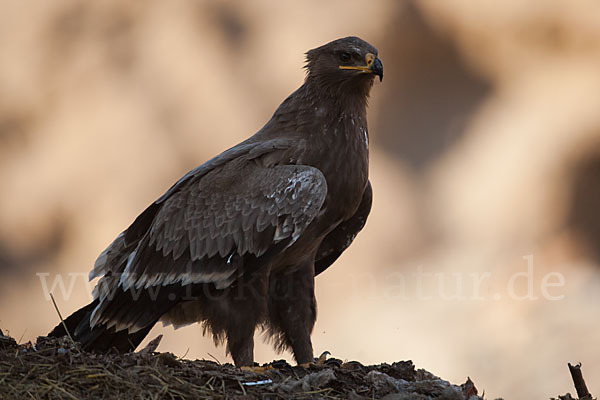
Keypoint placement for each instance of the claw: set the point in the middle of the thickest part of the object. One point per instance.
(323, 358)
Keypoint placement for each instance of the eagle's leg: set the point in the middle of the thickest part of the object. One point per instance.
(293, 310)
(241, 346)
(243, 311)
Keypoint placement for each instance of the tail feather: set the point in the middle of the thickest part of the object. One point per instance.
(99, 338)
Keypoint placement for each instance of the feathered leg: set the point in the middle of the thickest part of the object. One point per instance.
(244, 309)
(241, 346)
(293, 310)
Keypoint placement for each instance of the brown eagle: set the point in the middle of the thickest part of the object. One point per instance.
(236, 243)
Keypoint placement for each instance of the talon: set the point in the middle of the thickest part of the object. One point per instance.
(323, 358)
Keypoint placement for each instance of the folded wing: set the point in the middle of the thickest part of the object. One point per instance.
(204, 232)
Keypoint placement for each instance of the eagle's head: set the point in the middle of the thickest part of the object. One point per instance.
(349, 59)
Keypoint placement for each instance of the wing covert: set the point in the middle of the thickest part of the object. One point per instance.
(241, 208)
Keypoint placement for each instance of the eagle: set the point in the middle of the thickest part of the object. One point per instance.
(236, 243)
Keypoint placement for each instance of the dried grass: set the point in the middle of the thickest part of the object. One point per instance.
(59, 369)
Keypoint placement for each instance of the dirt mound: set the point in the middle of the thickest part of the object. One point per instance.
(59, 369)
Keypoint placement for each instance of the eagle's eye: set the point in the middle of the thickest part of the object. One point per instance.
(345, 57)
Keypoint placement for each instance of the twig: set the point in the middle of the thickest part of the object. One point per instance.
(184, 354)
(242, 386)
(213, 357)
(580, 387)
(21, 338)
(58, 388)
(62, 321)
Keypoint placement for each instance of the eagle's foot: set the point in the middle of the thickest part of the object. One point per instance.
(322, 360)
(257, 369)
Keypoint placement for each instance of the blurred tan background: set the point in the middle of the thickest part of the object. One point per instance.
(485, 162)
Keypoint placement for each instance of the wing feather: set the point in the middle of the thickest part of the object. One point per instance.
(230, 211)
(204, 226)
(338, 240)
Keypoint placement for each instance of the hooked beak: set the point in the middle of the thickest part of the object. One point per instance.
(377, 68)
(374, 66)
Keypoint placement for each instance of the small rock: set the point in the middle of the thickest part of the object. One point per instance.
(316, 380)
